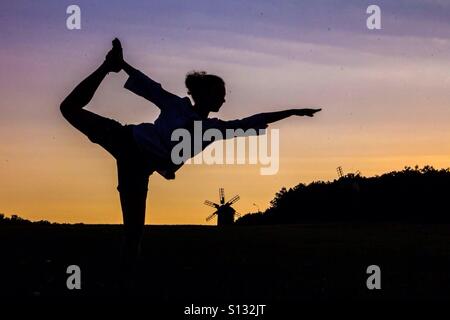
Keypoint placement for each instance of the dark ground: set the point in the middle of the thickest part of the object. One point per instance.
(261, 264)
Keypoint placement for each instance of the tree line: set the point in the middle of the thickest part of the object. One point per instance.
(416, 195)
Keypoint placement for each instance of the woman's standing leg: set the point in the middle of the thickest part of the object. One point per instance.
(133, 188)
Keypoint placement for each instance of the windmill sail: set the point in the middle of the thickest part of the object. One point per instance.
(211, 216)
(211, 204)
(233, 200)
(222, 195)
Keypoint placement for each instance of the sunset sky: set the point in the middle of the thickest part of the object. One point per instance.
(385, 95)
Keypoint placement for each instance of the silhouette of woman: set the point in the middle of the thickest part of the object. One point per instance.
(142, 149)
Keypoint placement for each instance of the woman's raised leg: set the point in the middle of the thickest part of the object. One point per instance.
(98, 129)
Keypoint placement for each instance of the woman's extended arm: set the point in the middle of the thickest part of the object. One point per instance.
(269, 117)
(146, 87)
(257, 121)
(261, 120)
(128, 68)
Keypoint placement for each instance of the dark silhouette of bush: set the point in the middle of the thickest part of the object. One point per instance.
(416, 195)
(16, 220)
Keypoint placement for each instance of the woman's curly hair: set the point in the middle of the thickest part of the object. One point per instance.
(200, 83)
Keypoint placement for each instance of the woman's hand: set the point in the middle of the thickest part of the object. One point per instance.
(114, 58)
(306, 112)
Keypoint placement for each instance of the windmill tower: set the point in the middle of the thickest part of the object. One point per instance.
(225, 213)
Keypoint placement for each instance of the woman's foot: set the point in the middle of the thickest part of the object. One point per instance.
(114, 58)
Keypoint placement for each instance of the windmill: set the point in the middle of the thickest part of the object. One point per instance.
(225, 213)
(340, 172)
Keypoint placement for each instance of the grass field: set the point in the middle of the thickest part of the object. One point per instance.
(258, 263)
